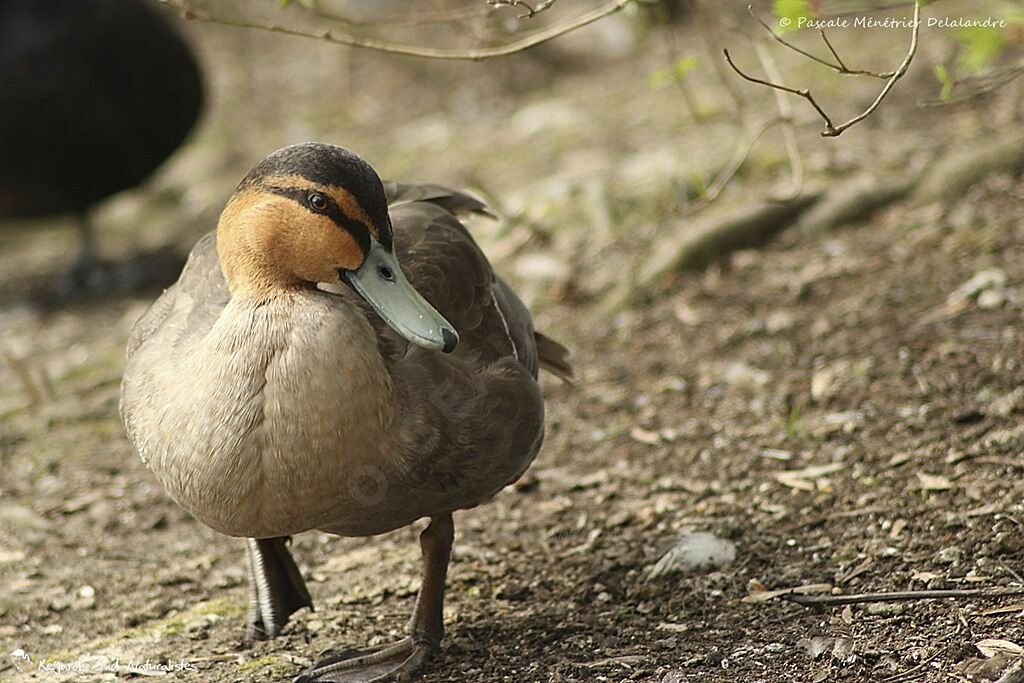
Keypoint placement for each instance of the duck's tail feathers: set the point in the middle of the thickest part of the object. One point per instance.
(554, 358)
(456, 202)
(277, 589)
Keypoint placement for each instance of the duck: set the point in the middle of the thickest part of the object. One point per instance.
(94, 96)
(338, 355)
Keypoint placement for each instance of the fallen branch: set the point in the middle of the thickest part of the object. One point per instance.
(855, 200)
(902, 596)
(188, 11)
(950, 177)
(832, 130)
(716, 236)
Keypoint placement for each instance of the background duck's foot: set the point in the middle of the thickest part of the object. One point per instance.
(90, 278)
(393, 662)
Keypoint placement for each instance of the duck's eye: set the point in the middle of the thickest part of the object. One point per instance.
(385, 273)
(317, 201)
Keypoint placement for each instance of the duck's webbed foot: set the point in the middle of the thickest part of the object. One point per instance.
(399, 661)
(394, 662)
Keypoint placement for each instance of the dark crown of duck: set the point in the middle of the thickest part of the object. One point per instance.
(314, 214)
(355, 199)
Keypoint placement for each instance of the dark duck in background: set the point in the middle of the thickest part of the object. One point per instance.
(94, 96)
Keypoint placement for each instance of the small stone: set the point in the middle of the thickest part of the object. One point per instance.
(85, 598)
(991, 299)
(1005, 440)
(950, 555)
(982, 281)
(743, 376)
(695, 550)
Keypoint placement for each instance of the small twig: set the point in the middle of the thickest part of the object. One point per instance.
(806, 94)
(1015, 674)
(831, 130)
(407, 18)
(531, 11)
(838, 67)
(796, 166)
(474, 55)
(901, 596)
(910, 672)
(1010, 571)
(708, 29)
(839, 60)
(897, 75)
(735, 162)
(35, 392)
(981, 84)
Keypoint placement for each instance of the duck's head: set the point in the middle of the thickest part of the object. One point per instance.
(314, 214)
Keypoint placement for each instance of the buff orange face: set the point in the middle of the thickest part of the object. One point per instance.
(316, 213)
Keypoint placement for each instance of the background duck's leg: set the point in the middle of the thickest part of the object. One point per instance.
(85, 270)
(426, 628)
(85, 262)
(276, 588)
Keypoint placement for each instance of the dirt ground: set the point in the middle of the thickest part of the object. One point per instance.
(879, 366)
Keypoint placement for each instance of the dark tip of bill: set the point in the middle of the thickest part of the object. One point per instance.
(450, 340)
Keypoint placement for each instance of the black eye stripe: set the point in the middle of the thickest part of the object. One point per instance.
(357, 229)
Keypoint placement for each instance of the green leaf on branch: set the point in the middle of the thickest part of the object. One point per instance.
(981, 45)
(674, 73)
(947, 82)
(790, 12)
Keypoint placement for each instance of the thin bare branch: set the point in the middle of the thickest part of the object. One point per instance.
(788, 132)
(421, 18)
(530, 10)
(476, 55)
(902, 596)
(832, 130)
(897, 75)
(708, 27)
(839, 60)
(839, 66)
(806, 94)
(735, 162)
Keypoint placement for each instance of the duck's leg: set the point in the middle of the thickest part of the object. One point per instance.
(276, 588)
(426, 628)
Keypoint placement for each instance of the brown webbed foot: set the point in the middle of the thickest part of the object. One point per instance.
(399, 661)
(394, 662)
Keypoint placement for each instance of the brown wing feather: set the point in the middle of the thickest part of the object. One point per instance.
(200, 294)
